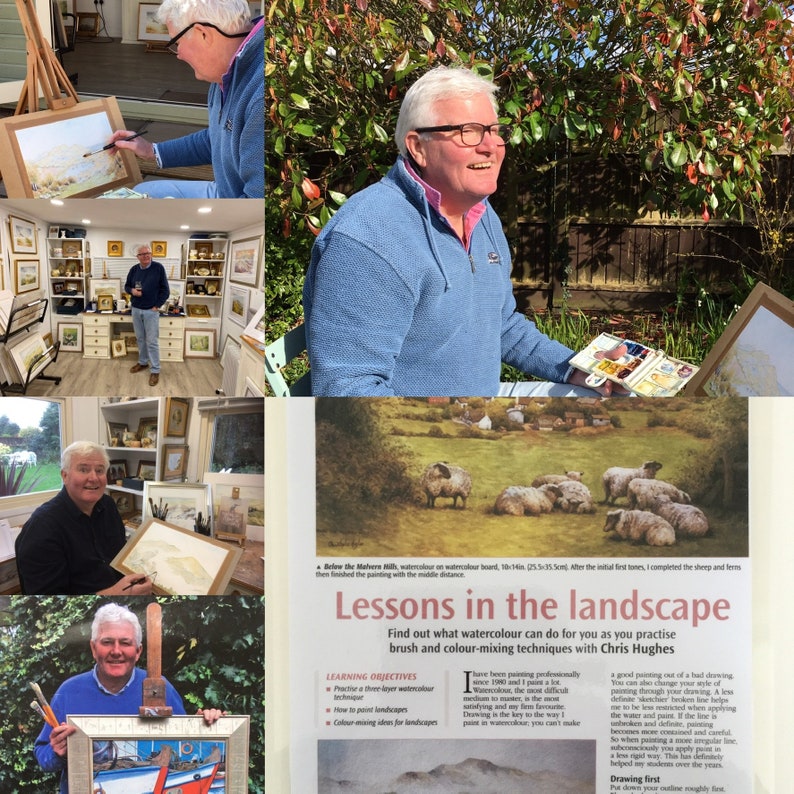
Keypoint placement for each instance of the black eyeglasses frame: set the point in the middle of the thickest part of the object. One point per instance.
(171, 45)
(506, 130)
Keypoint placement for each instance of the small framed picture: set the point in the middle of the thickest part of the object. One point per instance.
(176, 414)
(149, 29)
(174, 461)
(26, 275)
(70, 335)
(159, 248)
(199, 343)
(118, 348)
(232, 519)
(203, 250)
(54, 231)
(117, 470)
(147, 428)
(115, 248)
(58, 287)
(198, 310)
(72, 248)
(125, 503)
(116, 431)
(245, 256)
(147, 470)
(23, 235)
(238, 305)
(105, 303)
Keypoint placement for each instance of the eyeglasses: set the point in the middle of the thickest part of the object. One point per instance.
(172, 44)
(472, 134)
(144, 253)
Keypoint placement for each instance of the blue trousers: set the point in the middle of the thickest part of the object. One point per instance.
(177, 188)
(146, 323)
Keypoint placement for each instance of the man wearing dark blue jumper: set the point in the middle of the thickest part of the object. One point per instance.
(148, 285)
(114, 686)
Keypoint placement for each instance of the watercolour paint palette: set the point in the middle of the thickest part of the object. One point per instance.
(640, 369)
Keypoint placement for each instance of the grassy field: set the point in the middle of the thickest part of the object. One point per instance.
(49, 474)
(498, 459)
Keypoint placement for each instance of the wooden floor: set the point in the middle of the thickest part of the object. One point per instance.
(196, 377)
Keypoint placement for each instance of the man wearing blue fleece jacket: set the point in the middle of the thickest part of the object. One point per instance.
(218, 39)
(112, 687)
(408, 291)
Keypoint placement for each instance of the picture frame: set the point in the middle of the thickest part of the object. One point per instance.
(174, 461)
(26, 152)
(115, 248)
(238, 305)
(148, 28)
(199, 343)
(147, 428)
(203, 250)
(104, 286)
(199, 310)
(245, 260)
(125, 503)
(177, 411)
(131, 342)
(231, 519)
(159, 248)
(252, 488)
(118, 348)
(105, 303)
(147, 470)
(70, 335)
(256, 328)
(765, 322)
(30, 355)
(58, 287)
(71, 248)
(185, 502)
(116, 431)
(26, 275)
(117, 470)
(229, 733)
(176, 292)
(87, 24)
(23, 235)
(53, 231)
(179, 561)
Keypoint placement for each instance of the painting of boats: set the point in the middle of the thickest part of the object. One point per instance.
(144, 779)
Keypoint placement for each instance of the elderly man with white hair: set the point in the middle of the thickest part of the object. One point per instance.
(227, 49)
(67, 544)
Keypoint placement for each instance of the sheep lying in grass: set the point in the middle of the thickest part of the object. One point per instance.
(442, 479)
(643, 493)
(616, 479)
(520, 500)
(639, 525)
(575, 497)
(688, 521)
(556, 479)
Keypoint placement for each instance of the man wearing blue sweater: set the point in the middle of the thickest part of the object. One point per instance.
(218, 39)
(408, 291)
(112, 687)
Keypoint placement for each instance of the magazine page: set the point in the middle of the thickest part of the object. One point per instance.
(490, 596)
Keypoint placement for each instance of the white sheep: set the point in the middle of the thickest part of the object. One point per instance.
(520, 500)
(639, 525)
(556, 479)
(443, 479)
(575, 497)
(616, 479)
(643, 493)
(688, 521)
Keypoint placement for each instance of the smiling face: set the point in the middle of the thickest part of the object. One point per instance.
(115, 653)
(464, 175)
(85, 480)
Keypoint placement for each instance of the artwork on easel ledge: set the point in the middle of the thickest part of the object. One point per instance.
(76, 166)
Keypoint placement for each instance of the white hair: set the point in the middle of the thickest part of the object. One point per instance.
(231, 16)
(115, 613)
(82, 449)
(418, 107)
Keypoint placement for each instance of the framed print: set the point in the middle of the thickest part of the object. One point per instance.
(70, 335)
(115, 248)
(23, 235)
(26, 275)
(53, 231)
(147, 428)
(33, 168)
(210, 757)
(179, 561)
(131, 342)
(117, 470)
(203, 250)
(159, 248)
(116, 431)
(198, 310)
(174, 461)
(183, 503)
(147, 470)
(87, 23)
(104, 286)
(199, 343)
(232, 518)
(176, 414)
(245, 256)
(72, 248)
(251, 488)
(176, 292)
(759, 339)
(256, 328)
(125, 503)
(58, 287)
(105, 303)
(238, 305)
(149, 29)
(118, 348)
(30, 356)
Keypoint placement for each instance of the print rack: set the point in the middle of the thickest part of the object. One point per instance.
(21, 319)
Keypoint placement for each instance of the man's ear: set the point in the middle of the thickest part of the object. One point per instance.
(416, 148)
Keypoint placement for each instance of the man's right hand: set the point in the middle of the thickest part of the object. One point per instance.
(58, 738)
(131, 584)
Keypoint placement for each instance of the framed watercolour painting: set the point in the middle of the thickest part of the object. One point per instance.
(23, 235)
(245, 255)
(174, 461)
(238, 305)
(33, 167)
(199, 343)
(70, 335)
(176, 413)
(752, 357)
(179, 561)
(183, 502)
(26, 275)
(149, 29)
(182, 753)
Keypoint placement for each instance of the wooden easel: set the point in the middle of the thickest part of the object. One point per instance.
(43, 68)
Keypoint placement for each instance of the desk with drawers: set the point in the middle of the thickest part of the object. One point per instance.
(98, 333)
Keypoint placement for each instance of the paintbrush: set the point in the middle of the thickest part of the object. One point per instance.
(45, 706)
(40, 711)
(111, 145)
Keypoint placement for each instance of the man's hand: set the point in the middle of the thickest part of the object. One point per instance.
(58, 738)
(608, 388)
(131, 584)
(211, 715)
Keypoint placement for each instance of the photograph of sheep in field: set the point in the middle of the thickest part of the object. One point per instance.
(554, 477)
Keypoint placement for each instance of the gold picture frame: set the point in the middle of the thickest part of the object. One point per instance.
(115, 248)
(159, 248)
(104, 302)
(26, 152)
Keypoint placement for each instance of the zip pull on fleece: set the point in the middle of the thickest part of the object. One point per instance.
(473, 266)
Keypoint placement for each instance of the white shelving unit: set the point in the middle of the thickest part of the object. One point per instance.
(203, 270)
(69, 261)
